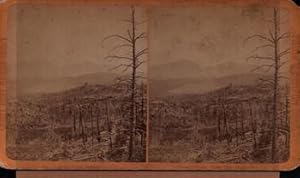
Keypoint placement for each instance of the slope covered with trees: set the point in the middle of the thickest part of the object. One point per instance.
(230, 124)
(90, 122)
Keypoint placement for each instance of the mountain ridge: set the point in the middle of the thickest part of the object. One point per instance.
(50, 85)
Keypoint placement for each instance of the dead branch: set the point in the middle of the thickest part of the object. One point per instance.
(259, 37)
(270, 81)
(283, 36)
(130, 36)
(283, 77)
(140, 72)
(271, 34)
(260, 58)
(124, 66)
(142, 52)
(111, 57)
(283, 53)
(282, 64)
(140, 36)
(118, 37)
(136, 23)
(265, 67)
(118, 47)
(263, 46)
(140, 77)
(139, 63)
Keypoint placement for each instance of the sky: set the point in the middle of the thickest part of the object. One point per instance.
(210, 37)
(53, 42)
(62, 41)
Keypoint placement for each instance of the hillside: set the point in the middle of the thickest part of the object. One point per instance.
(159, 87)
(51, 85)
(228, 124)
(87, 123)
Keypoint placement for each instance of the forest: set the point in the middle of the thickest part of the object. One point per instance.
(231, 124)
(90, 122)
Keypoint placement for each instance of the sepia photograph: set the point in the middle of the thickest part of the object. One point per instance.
(219, 84)
(77, 83)
(149, 85)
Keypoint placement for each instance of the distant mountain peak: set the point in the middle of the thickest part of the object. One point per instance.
(32, 86)
(176, 69)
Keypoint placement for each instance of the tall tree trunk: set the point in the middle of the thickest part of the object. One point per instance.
(51, 118)
(98, 127)
(236, 126)
(253, 126)
(92, 123)
(225, 123)
(275, 87)
(287, 110)
(196, 126)
(219, 123)
(81, 126)
(135, 62)
(241, 111)
(142, 139)
(143, 104)
(287, 117)
(142, 113)
(133, 90)
(74, 122)
(224, 116)
(160, 126)
(109, 126)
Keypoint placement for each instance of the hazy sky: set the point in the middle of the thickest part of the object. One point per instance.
(208, 37)
(48, 42)
(60, 41)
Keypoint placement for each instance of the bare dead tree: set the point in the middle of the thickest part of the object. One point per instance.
(253, 125)
(81, 125)
(130, 62)
(109, 126)
(75, 110)
(236, 125)
(92, 121)
(285, 118)
(197, 116)
(272, 64)
(287, 106)
(241, 115)
(224, 107)
(98, 109)
(141, 116)
(219, 122)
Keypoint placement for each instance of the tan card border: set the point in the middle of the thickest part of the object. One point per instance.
(72, 165)
(145, 174)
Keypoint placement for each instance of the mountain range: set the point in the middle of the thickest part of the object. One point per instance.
(187, 77)
(51, 85)
(172, 78)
